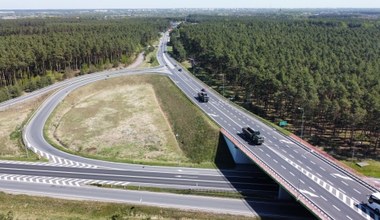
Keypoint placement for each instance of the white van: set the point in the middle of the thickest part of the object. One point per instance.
(374, 202)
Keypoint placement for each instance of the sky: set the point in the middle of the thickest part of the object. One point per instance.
(123, 4)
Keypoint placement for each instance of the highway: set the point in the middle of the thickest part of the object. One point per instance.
(331, 192)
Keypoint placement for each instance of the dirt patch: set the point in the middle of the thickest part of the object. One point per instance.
(115, 119)
(11, 121)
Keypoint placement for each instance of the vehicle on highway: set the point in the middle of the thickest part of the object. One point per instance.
(253, 136)
(180, 69)
(202, 96)
(374, 202)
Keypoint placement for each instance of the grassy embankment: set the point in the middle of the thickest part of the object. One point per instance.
(30, 207)
(373, 169)
(135, 119)
(12, 120)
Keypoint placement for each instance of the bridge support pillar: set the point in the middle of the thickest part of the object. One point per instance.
(238, 156)
(283, 194)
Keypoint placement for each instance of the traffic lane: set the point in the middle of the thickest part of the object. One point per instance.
(247, 121)
(310, 188)
(161, 180)
(331, 204)
(225, 205)
(226, 176)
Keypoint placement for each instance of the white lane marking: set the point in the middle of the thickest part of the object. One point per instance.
(341, 176)
(213, 115)
(348, 217)
(292, 174)
(275, 161)
(286, 141)
(319, 175)
(283, 167)
(336, 208)
(342, 190)
(308, 193)
(268, 155)
(302, 181)
(308, 168)
(344, 183)
(357, 191)
(324, 198)
(311, 189)
(312, 162)
(291, 156)
(261, 150)
(283, 150)
(322, 168)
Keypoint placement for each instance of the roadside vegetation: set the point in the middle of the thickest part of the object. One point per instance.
(326, 68)
(136, 119)
(12, 121)
(372, 169)
(31, 207)
(150, 56)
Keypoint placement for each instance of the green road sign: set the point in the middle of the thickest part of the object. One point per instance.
(283, 123)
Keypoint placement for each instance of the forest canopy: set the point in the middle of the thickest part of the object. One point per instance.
(330, 68)
(36, 52)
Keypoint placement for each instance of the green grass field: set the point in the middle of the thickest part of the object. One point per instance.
(372, 170)
(32, 207)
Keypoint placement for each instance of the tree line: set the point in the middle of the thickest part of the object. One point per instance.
(36, 52)
(329, 68)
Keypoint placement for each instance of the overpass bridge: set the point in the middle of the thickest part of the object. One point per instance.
(319, 183)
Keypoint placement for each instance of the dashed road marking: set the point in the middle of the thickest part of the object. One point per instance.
(336, 208)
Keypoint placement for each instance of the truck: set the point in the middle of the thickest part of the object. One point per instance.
(253, 136)
(202, 96)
